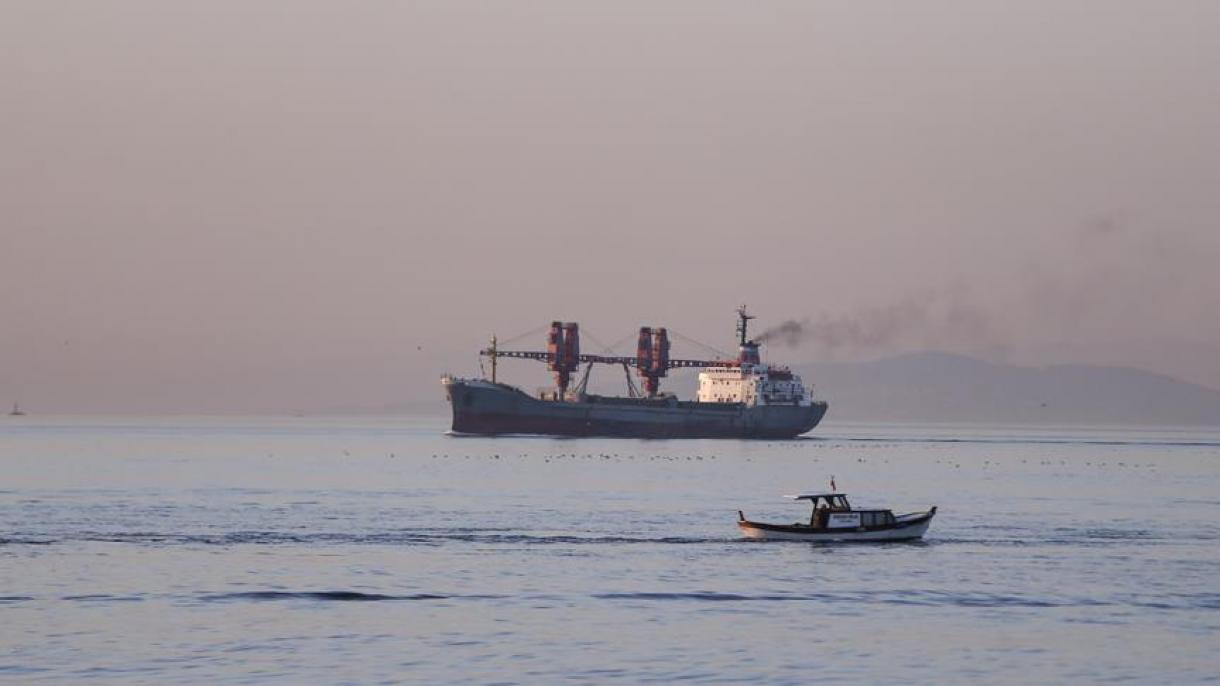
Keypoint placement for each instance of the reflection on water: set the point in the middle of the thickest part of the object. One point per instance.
(153, 550)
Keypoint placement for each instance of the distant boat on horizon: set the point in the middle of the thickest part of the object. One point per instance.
(16, 411)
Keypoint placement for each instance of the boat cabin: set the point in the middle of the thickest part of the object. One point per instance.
(832, 511)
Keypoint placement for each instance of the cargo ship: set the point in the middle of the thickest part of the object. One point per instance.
(742, 397)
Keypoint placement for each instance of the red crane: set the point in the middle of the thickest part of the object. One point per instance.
(651, 361)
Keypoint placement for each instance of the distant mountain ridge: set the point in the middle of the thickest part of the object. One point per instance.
(947, 387)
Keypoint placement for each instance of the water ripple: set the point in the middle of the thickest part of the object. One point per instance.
(355, 596)
(407, 537)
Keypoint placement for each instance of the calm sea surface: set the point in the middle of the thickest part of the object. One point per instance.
(306, 550)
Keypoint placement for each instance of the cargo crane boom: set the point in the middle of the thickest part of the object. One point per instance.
(563, 356)
(604, 359)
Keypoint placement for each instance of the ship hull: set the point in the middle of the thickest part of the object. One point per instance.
(481, 407)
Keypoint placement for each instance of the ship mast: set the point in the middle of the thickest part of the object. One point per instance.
(743, 321)
(492, 354)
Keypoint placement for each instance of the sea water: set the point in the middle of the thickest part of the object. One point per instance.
(325, 550)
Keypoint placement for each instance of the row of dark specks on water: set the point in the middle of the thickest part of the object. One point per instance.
(1047, 463)
(1090, 463)
(619, 457)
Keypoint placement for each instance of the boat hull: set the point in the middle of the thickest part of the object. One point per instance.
(482, 407)
(907, 528)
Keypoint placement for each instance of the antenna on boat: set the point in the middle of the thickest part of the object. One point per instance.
(743, 321)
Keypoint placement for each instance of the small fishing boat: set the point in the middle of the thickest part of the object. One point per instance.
(835, 520)
(16, 411)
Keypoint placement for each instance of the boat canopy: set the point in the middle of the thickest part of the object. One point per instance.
(833, 501)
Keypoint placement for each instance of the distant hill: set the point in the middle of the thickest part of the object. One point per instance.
(944, 387)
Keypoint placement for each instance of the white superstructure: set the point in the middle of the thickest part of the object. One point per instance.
(752, 383)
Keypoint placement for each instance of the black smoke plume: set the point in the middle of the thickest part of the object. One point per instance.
(943, 318)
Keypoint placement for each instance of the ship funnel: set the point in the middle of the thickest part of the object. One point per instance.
(748, 353)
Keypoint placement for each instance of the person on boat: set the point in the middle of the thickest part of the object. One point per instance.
(820, 516)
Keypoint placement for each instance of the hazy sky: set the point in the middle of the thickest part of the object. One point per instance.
(278, 205)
